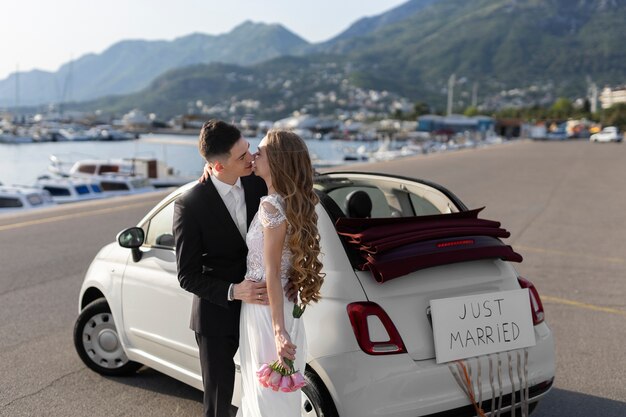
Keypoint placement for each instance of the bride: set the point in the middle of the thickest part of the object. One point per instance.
(283, 246)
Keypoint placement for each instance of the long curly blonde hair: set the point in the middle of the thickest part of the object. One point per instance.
(292, 177)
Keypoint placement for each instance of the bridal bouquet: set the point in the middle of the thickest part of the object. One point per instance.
(275, 375)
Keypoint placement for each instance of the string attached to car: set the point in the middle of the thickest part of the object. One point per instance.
(517, 363)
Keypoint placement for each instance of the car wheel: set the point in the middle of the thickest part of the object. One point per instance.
(97, 342)
(316, 400)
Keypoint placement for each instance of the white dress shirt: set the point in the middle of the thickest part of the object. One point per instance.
(235, 201)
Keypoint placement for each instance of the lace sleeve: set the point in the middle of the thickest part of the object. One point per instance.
(271, 212)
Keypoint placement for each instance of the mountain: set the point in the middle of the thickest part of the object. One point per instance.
(549, 47)
(269, 89)
(368, 25)
(500, 44)
(131, 65)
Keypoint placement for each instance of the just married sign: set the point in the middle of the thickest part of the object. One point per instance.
(476, 325)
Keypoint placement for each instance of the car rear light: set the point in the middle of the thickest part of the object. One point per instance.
(462, 242)
(535, 301)
(366, 318)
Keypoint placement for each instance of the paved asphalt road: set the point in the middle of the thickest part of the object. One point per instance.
(564, 204)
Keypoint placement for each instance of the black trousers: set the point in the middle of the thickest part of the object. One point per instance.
(218, 373)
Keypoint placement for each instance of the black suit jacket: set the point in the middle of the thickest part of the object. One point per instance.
(211, 254)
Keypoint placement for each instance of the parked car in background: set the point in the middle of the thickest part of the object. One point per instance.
(608, 134)
(371, 349)
(557, 134)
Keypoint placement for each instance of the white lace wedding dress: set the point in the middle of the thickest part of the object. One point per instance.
(256, 340)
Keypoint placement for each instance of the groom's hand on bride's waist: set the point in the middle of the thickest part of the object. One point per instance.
(251, 292)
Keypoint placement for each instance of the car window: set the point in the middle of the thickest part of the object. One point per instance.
(422, 206)
(380, 206)
(389, 197)
(159, 228)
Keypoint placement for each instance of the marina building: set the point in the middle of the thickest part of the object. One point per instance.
(609, 96)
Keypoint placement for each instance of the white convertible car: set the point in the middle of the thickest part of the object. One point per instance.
(423, 313)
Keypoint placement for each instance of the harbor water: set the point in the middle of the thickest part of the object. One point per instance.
(23, 163)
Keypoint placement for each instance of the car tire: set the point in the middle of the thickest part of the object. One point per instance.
(316, 400)
(97, 342)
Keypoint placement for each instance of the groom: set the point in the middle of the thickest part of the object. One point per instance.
(210, 225)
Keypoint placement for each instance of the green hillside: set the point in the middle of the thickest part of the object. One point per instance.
(551, 46)
(498, 43)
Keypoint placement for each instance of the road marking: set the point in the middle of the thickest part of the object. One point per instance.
(68, 216)
(572, 255)
(585, 306)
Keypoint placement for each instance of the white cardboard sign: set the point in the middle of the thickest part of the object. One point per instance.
(475, 325)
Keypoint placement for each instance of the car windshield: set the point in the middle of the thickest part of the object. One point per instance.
(380, 197)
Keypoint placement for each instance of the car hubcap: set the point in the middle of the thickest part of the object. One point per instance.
(101, 342)
(307, 409)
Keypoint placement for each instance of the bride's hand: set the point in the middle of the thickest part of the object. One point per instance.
(284, 347)
(206, 173)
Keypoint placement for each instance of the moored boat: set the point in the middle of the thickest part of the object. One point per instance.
(113, 184)
(16, 198)
(70, 190)
(157, 172)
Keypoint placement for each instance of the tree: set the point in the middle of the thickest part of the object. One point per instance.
(615, 116)
(471, 111)
(562, 108)
(420, 108)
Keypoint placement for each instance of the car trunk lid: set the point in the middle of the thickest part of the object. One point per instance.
(406, 299)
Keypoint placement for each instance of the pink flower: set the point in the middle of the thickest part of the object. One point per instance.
(274, 380)
(297, 380)
(286, 384)
(277, 376)
(264, 381)
(263, 373)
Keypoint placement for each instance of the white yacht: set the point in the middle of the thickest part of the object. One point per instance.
(157, 172)
(106, 132)
(113, 184)
(70, 190)
(14, 198)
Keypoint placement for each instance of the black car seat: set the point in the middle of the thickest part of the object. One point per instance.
(359, 205)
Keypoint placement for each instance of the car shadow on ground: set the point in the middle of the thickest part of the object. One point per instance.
(565, 403)
(558, 403)
(151, 380)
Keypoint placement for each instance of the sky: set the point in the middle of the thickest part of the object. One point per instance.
(44, 34)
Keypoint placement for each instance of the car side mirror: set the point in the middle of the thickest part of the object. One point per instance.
(132, 238)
